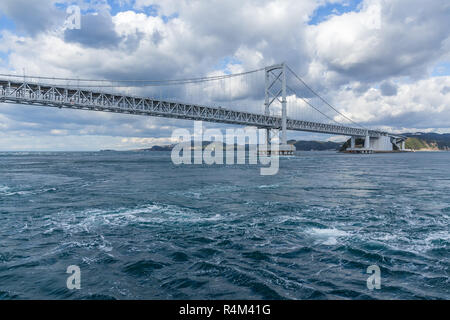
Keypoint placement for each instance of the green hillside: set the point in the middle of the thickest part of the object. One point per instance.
(416, 144)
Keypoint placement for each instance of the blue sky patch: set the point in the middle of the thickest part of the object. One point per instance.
(6, 23)
(322, 13)
(223, 63)
(441, 69)
(4, 58)
(168, 18)
(118, 6)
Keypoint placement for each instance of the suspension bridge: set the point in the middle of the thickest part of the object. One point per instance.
(272, 98)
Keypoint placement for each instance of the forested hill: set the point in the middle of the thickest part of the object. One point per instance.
(315, 145)
(428, 141)
(300, 146)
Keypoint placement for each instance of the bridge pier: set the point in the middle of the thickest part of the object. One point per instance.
(276, 147)
(367, 142)
(367, 148)
(400, 143)
(383, 143)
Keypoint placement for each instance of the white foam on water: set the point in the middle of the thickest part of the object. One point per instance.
(330, 242)
(268, 186)
(197, 193)
(327, 232)
(105, 245)
(327, 237)
(385, 237)
(18, 193)
(444, 236)
(91, 220)
(7, 191)
(98, 243)
(404, 240)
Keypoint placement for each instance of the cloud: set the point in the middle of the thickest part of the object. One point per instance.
(384, 39)
(32, 17)
(97, 31)
(445, 90)
(388, 88)
(415, 105)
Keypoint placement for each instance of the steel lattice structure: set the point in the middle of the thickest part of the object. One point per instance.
(23, 92)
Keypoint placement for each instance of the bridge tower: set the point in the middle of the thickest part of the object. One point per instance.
(275, 91)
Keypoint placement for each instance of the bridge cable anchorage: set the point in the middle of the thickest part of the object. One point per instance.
(321, 98)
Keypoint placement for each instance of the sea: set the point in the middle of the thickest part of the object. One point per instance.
(139, 227)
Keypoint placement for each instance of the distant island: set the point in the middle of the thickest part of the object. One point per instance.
(301, 145)
(418, 141)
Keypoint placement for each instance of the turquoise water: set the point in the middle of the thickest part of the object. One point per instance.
(141, 228)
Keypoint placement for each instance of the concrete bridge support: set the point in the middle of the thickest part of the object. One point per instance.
(367, 142)
(372, 144)
(400, 143)
(382, 143)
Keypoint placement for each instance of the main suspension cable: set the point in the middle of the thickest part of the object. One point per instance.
(312, 106)
(320, 97)
(139, 82)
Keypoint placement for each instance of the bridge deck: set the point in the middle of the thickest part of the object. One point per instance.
(78, 98)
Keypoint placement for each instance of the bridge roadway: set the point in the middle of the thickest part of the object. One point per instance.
(21, 92)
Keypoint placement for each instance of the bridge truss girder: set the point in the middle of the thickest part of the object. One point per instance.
(21, 92)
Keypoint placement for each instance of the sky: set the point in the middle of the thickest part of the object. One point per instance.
(383, 63)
